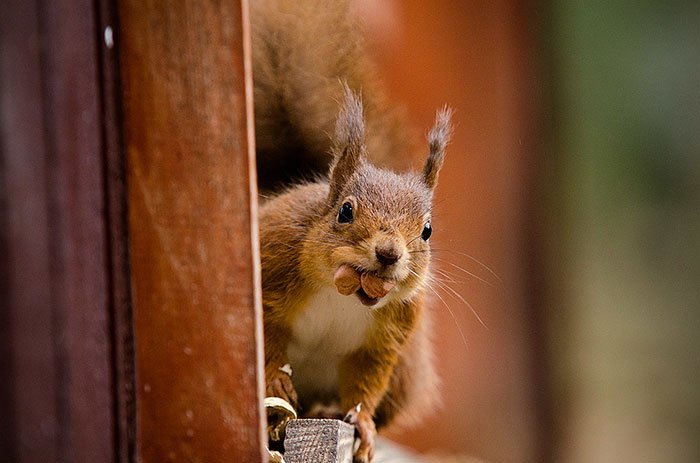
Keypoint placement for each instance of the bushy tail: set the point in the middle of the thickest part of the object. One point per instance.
(303, 52)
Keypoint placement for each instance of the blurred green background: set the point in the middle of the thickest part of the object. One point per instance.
(623, 201)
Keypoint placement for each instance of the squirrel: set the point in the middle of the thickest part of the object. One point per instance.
(345, 257)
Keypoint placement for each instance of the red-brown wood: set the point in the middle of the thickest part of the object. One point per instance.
(55, 263)
(193, 230)
(117, 230)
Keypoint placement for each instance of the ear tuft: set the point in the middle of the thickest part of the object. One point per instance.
(348, 143)
(438, 139)
(350, 124)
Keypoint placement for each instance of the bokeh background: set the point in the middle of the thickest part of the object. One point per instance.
(574, 177)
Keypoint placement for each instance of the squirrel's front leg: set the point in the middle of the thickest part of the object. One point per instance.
(364, 378)
(278, 372)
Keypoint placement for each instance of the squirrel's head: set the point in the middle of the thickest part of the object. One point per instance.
(374, 235)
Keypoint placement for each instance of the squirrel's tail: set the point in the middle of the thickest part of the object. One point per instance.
(303, 50)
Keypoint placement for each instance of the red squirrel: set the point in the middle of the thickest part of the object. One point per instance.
(346, 257)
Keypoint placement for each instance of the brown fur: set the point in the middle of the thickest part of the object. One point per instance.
(302, 49)
(302, 52)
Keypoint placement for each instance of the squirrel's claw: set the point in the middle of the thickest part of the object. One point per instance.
(366, 432)
(279, 384)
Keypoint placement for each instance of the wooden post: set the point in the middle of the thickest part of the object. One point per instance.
(193, 230)
(56, 397)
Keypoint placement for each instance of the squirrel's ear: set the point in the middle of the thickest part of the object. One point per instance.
(438, 139)
(348, 143)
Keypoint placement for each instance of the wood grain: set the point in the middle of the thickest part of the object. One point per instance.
(193, 230)
(318, 441)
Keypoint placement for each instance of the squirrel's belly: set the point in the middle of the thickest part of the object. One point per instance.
(329, 326)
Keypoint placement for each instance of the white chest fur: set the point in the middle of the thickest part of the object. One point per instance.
(330, 326)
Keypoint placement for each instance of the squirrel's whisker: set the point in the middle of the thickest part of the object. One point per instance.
(454, 318)
(446, 287)
(473, 259)
(450, 278)
(462, 269)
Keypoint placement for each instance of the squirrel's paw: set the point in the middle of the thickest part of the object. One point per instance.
(366, 432)
(279, 384)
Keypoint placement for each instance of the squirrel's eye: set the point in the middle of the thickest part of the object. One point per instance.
(427, 231)
(345, 214)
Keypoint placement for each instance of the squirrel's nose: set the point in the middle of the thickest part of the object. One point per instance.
(387, 255)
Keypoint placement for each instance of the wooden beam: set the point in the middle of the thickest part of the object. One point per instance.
(318, 441)
(332, 441)
(193, 230)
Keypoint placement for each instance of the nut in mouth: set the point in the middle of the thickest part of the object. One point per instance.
(368, 287)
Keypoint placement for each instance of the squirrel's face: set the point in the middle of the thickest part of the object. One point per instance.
(374, 238)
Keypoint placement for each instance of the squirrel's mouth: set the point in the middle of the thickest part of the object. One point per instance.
(365, 299)
(367, 286)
